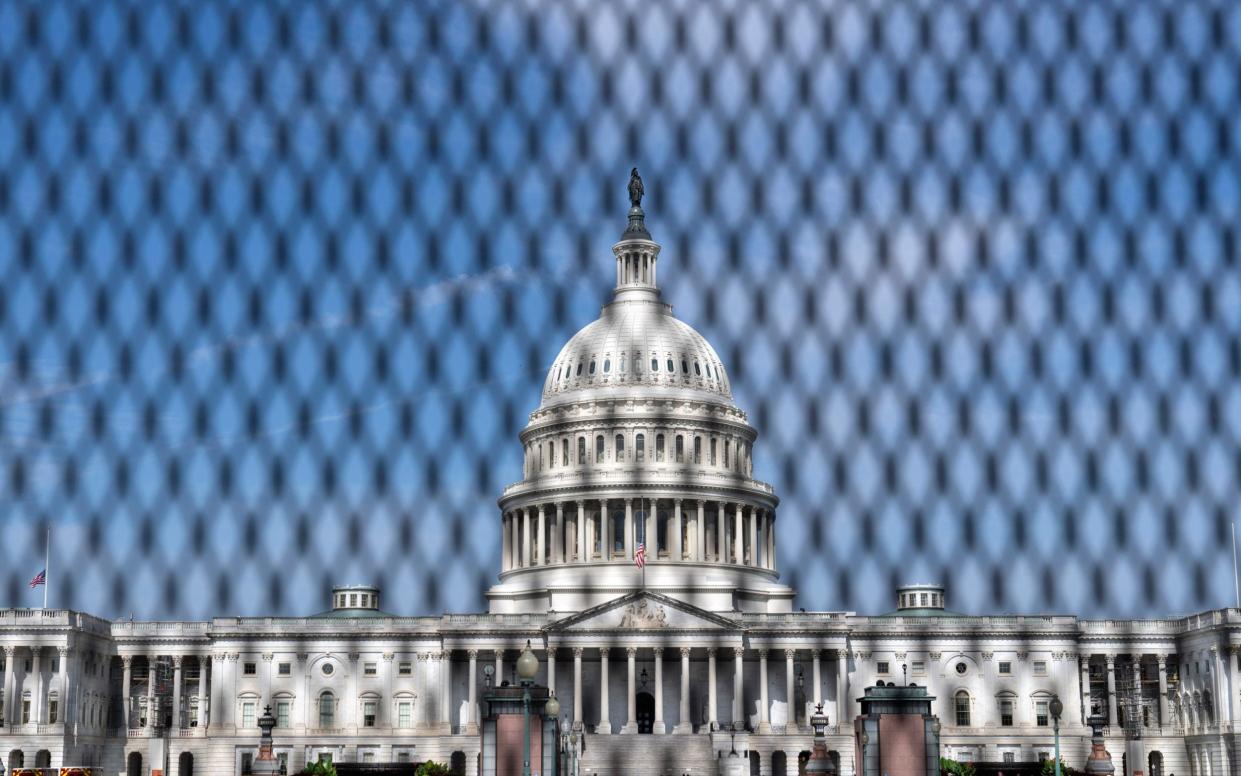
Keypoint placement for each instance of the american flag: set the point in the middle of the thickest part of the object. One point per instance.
(639, 555)
(39, 579)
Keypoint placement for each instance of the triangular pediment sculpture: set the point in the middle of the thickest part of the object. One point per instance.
(643, 611)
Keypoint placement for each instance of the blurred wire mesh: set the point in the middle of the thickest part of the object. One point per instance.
(280, 282)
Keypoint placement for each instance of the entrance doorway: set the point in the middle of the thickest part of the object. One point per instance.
(646, 712)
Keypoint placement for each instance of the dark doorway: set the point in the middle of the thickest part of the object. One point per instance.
(1155, 767)
(185, 764)
(43, 759)
(17, 759)
(755, 763)
(457, 763)
(646, 712)
(133, 766)
(779, 764)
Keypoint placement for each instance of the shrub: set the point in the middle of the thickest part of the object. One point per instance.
(432, 768)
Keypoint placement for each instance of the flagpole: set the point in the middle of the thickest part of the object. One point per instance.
(47, 560)
(1236, 586)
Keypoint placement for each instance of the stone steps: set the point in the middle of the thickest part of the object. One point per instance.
(648, 755)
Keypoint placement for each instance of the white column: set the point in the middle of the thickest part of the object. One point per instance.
(628, 529)
(551, 670)
(445, 661)
(1085, 686)
(606, 539)
(127, 677)
(658, 727)
(558, 546)
(150, 688)
(582, 555)
(540, 552)
(577, 685)
(769, 524)
(176, 691)
(515, 541)
(764, 722)
(738, 537)
(753, 537)
(604, 727)
(684, 725)
(10, 716)
(675, 549)
(721, 535)
(1113, 718)
(631, 720)
(842, 688)
(713, 716)
(203, 662)
(505, 545)
(818, 677)
(65, 712)
(499, 667)
(652, 530)
(738, 700)
(527, 548)
(790, 692)
(1163, 689)
(700, 534)
(471, 725)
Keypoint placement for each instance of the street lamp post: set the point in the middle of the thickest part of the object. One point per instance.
(527, 668)
(1056, 708)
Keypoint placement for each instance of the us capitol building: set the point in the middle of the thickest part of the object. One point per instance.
(637, 439)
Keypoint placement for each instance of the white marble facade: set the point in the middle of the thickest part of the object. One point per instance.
(637, 440)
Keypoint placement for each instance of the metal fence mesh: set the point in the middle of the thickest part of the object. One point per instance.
(280, 283)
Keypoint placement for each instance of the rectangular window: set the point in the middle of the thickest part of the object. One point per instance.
(327, 711)
(28, 665)
(659, 447)
(1041, 714)
(881, 667)
(405, 668)
(680, 449)
(1006, 712)
(725, 453)
(963, 709)
(599, 449)
(370, 669)
(325, 757)
(53, 707)
(918, 667)
(639, 447)
(1040, 668)
(581, 451)
(284, 669)
(247, 763)
(56, 665)
(368, 757)
(402, 757)
(368, 714)
(249, 669)
(282, 714)
(404, 714)
(283, 759)
(353, 600)
(1009, 757)
(713, 452)
(25, 712)
(247, 715)
(620, 447)
(1006, 668)
(697, 449)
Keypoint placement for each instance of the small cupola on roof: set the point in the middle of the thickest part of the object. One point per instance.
(920, 596)
(355, 597)
(636, 253)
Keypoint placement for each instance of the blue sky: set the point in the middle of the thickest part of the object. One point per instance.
(279, 284)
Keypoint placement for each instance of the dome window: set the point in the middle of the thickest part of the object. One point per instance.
(579, 369)
(620, 447)
(697, 368)
(637, 365)
(639, 447)
(671, 366)
(607, 365)
(599, 448)
(684, 366)
(592, 367)
(654, 364)
(659, 447)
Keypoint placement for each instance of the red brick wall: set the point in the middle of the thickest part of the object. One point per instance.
(902, 745)
(510, 738)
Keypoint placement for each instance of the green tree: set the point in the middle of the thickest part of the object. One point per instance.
(432, 768)
(1049, 768)
(320, 769)
(955, 768)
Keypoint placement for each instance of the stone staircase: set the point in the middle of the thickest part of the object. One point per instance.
(648, 755)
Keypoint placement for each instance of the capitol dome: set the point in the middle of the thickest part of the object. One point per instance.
(637, 466)
(637, 347)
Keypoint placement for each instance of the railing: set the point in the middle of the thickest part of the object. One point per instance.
(33, 729)
(649, 475)
(191, 732)
(144, 732)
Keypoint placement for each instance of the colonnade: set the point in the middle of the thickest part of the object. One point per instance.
(1102, 695)
(610, 530)
(133, 720)
(40, 711)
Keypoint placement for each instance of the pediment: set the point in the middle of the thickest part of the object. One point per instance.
(643, 612)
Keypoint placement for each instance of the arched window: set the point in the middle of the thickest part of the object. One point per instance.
(713, 446)
(327, 710)
(698, 450)
(726, 445)
(697, 369)
(639, 447)
(581, 451)
(551, 455)
(680, 449)
(607, 365)
(654, 364)
(684, 366)
(592, 366)
(659, 447)
(564, 452)
(962, 705)
(620, 447)
(1007, 702)
(599, 449)
(579, 369)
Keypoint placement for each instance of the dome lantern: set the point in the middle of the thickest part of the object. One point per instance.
(636, 253)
